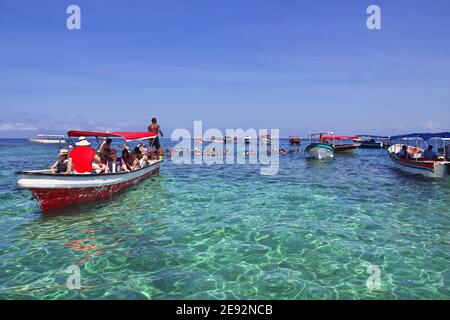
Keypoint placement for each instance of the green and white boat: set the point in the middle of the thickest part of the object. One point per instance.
(319, 150)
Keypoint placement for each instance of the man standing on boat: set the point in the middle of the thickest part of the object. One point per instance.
(155, 128)
(81, 158)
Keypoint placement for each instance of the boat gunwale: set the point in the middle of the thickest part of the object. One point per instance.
(319, 145)
(84, 175)
(417, 161)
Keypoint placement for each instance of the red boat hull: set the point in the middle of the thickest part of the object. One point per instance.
(417, 165)
(57, 195)
(345, 147)
(50, 199)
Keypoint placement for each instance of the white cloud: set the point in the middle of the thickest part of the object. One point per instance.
(430, 125)
(399, 127)
(30, 124)
(16, 126)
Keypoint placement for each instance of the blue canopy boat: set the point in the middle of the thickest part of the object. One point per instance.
(414, 162)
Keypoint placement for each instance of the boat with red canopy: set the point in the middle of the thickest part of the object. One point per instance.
(341, 147)
(57, 190)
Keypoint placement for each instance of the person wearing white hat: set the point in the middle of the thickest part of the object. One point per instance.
(82, 157)
(82, 141)
(60, 166)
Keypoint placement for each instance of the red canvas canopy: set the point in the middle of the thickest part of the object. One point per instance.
(128, 136)
(338, 137)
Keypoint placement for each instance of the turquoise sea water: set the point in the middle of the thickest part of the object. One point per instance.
(227, 232)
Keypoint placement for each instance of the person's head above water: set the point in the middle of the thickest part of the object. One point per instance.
(154, 120)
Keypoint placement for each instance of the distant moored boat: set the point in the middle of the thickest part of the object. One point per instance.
(294, 140)
(319, 150)
(342, 147)
(48, 139)
(372, 142)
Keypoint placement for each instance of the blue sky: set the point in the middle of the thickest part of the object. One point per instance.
(299, 66)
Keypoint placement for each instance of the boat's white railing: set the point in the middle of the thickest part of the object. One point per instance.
(413, 155)
(312, 135)
(395, 148)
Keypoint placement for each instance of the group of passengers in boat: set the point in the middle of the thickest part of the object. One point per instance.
(85, 160)
(428, 154)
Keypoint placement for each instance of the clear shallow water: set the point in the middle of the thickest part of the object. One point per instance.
(227, 232)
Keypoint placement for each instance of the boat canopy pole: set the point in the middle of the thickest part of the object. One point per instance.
(70, 141)
(445, 149)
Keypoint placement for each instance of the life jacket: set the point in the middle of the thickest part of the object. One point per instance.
(62, 166)
(118, 165)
